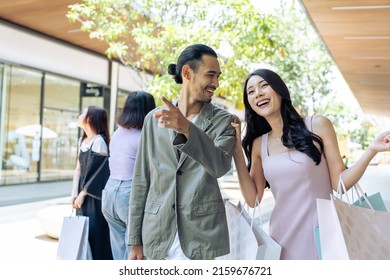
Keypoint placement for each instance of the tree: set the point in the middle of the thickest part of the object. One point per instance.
(149, 35)
(306, 65)
(308, 69)
(364, 134)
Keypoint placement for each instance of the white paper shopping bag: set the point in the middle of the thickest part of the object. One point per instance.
(248, 241)
(73, 241)
(331, 237)
(267, 248)
(243, 243)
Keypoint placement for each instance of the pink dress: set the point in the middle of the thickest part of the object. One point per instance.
(296, 181)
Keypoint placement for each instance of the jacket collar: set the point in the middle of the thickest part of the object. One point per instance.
(204, 117)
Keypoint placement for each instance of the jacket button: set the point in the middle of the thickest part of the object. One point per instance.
(173, 206)
(179, 172)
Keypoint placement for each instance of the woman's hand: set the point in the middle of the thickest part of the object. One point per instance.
(237, 127)
(381, 143)
(78, 202)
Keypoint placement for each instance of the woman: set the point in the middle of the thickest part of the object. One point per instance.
(86, 197)
(298, 157)
(123, 151)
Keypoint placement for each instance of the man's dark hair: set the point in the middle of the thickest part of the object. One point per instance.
(192, 56)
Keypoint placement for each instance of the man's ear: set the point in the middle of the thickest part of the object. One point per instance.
(186, 71)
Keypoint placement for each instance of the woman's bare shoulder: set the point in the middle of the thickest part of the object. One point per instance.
(321, 125)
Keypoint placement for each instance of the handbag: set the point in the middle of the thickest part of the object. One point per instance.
(349, 231)
(73, 241)
(247, 239)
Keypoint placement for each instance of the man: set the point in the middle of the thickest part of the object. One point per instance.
(176, 208)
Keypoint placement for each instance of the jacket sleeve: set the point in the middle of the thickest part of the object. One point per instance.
(213, 151)
(139, 187)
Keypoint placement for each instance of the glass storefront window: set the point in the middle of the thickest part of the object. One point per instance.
(20, 104)
(38, 122)
(60, 114)
(2, 129)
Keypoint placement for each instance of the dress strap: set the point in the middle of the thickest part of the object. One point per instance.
(308, 122)
(264, 145)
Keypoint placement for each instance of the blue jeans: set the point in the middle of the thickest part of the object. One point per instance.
(115, 208)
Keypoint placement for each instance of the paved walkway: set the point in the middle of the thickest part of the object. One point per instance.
(23, 234)
(26, 193)
(23, 237)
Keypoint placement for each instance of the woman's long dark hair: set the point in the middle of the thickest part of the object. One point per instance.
(295, 133)
(138, 104)
(97, 118)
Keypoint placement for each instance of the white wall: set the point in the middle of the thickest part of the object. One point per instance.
(130, 80)
(20, 47)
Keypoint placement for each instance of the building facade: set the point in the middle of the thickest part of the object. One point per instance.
(44, 85)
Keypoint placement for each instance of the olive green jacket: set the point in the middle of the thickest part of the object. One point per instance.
(175, 186)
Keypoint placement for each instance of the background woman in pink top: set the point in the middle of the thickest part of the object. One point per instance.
(298, 156)
(123, 151)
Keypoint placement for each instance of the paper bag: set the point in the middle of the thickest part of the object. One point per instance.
(73, 241)
(248, 241)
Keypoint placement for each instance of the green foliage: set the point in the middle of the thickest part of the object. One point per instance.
(308, 70)
(150, 34)
(365, 134)
(305, 66)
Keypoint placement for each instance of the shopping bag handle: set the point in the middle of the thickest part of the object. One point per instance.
(342, 189)
(361, 194)
(257, 206)
(74, 213)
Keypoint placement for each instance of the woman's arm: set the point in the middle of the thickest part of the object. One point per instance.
(353, 174)
(76, 176)
(324, 128)
(75, 182)
(251, 183)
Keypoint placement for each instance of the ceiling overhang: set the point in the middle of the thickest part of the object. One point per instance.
(357, 35)
(48, 17)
